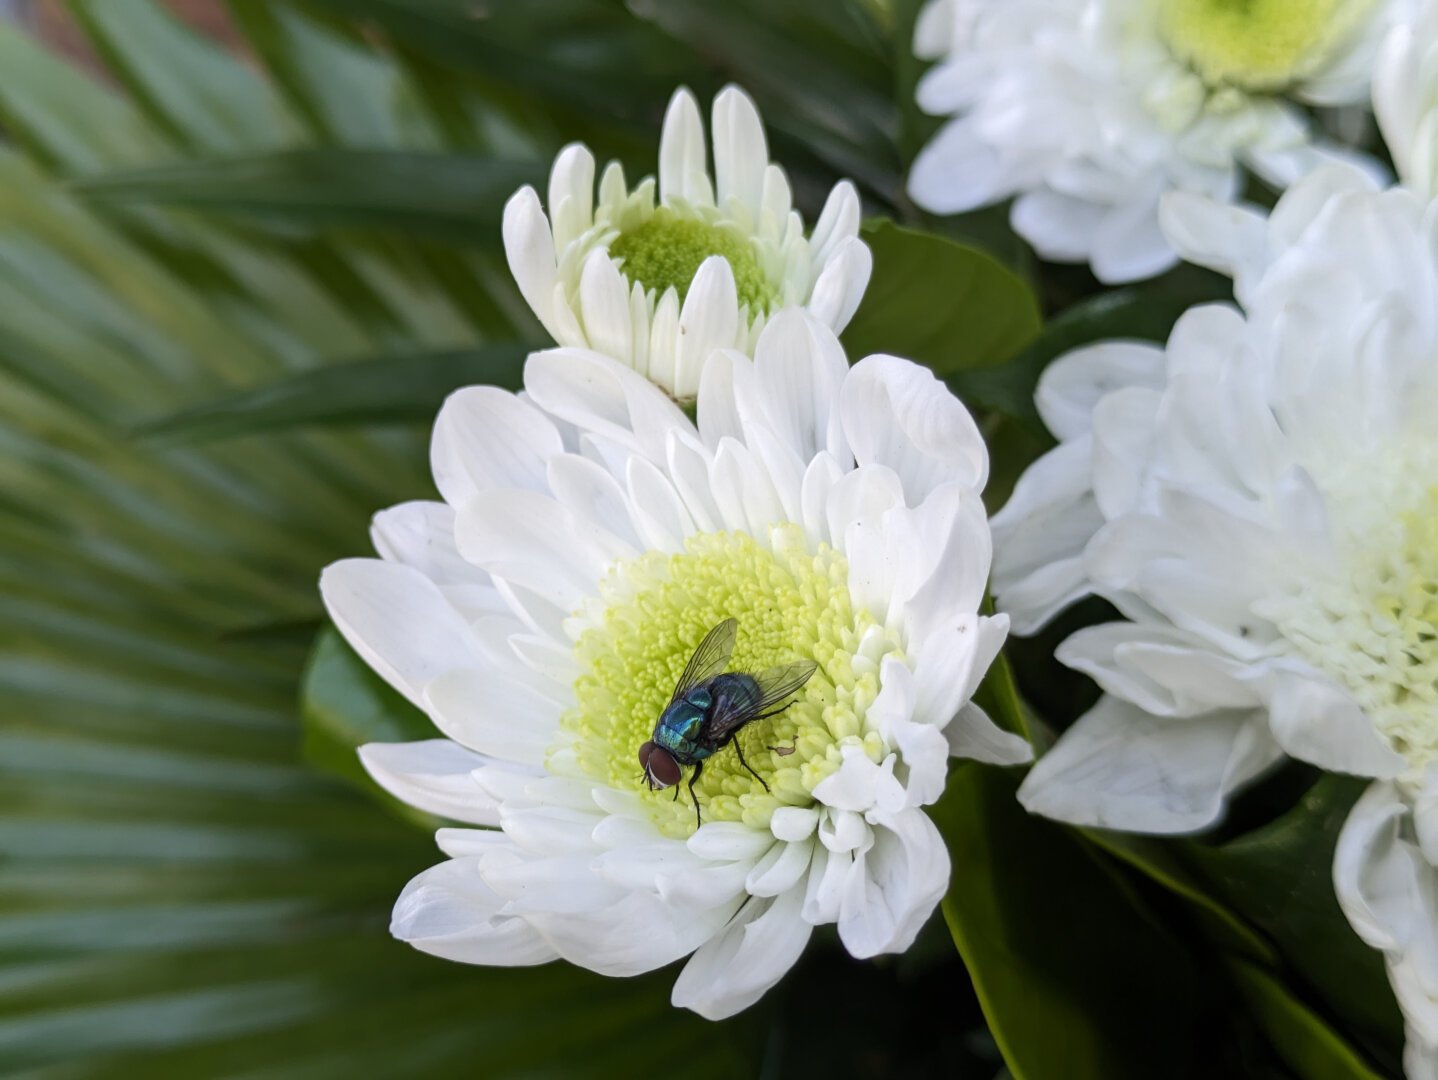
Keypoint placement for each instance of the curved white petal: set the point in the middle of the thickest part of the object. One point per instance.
(399, 622)
(448, 911)
(905, 875)
(841, 284)
(434, 775)
(486, 438)
(1389, 892)
(682, 168)
(898, 414)
(571, 194)
(529, 248)
(734, 969)
(1120, 768)
(741, 152)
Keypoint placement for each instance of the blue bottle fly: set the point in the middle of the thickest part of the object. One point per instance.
(709, 707)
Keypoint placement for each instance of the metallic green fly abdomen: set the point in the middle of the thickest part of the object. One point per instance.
(710, 706)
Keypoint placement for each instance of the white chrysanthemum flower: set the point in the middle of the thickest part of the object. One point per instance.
(1260, 502)
(658, 287)
(1087, 111)
(590, 535)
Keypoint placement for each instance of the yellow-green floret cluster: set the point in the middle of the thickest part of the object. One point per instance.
(791, 604)
(668, 249)
(1260, 46)
(1377, 632)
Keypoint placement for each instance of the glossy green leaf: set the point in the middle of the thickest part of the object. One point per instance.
(191, 88)
(399, 389)
(1140, 312)
(1075, 980)
(1307, 1045)
(344, 705)
(441, 197)
(1280, 879)
(945, 305)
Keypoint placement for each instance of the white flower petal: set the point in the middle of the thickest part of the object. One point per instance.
(533, 541)
(1120, 768)
(841, 284)
(448, 911)
(898, 414)
(604, 306)
(571, 194)
(780, 870)
(398, 621)
(906, 874)
(601, 396)
(493, 714)
(798, 372)
(682, 172)
(486, 438)
(1389, 892)
(631, 936)
(708, 320)
(735, 968)
(838, 221)
(1317, 721)
(434, 775)
(741, 152)
(529, 248)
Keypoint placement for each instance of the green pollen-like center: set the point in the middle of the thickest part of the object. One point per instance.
(1256, 45)
(1377, 632)
(667, 251)
(791, 604)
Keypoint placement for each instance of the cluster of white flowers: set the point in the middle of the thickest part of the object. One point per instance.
(1086, 112)
(1258, 499)
(591, 534)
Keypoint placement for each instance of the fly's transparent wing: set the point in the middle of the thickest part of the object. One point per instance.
(709, 659)
(778, 683)
(770, 688)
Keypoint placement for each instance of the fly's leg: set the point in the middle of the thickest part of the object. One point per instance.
(698, 768)
(752, 773)
(782, 751)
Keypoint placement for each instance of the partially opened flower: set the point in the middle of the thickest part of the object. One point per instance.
(1259, 500)
(1087, 111)
(591, 536)
(659, 285)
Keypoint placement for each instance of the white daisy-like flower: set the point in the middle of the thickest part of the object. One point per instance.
(1086, 111)
(1259, 500)
(542, 614)
(658, 286)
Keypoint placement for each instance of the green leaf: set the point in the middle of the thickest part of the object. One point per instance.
(344, 705)
(1138, 313)
(195, 91)
(451, 198)
(1307, 1045)
(397, 389)
(1280, 878)
(818, 70)
(1074, 979)
(945, 305)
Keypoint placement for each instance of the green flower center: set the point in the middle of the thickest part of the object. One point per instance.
(791, 604)
(1256, 45)
(667, 251)
(1377, 631)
